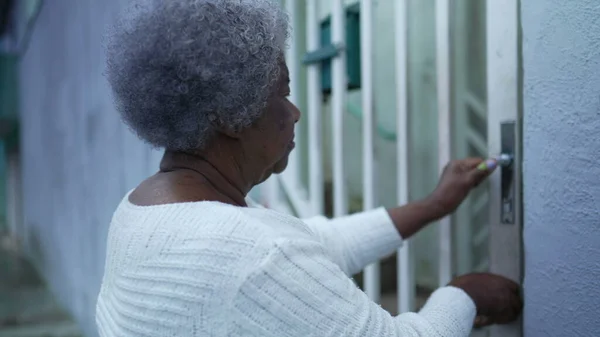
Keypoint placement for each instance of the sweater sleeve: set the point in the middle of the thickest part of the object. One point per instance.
(354, 241)
(298, 291)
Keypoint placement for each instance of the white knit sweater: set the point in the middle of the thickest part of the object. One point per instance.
(210, 269)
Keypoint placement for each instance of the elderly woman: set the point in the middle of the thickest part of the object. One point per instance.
(189, 255)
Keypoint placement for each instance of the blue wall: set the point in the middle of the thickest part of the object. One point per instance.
(78, 158)
(561, 175)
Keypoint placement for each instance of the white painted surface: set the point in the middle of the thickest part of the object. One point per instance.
(405, 263)
(442, 11)
(338, 98)
(503, 105)
(561, 170)
(460, 79)
(296, 194)
(314, 97)
(372, 283)
(421, 88)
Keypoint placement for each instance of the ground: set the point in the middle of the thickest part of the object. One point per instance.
(27, 308)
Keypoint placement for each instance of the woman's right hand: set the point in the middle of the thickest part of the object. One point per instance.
(497, 298)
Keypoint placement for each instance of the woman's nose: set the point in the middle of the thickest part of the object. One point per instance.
(296, 112)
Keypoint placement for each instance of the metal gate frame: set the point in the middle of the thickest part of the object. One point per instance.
(503, 85)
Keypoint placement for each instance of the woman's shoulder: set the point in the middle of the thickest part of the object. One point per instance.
(199, 238)
(203, 270)
(204, 220)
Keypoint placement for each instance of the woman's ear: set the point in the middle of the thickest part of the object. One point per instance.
(221, 128)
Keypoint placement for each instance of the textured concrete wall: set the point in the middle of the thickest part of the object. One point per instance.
(78, 159)
(562, 167)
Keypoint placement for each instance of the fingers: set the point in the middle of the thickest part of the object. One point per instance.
(482, 321)
(504, 302)
(512, 285)
(518, 304)
(509, 314)
(487, 166)
(514, 305)
(481, 170)
(471, 163)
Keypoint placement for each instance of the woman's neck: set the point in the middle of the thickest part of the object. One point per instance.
(224, 177)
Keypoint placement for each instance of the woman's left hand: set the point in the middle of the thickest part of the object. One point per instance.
(458, 178)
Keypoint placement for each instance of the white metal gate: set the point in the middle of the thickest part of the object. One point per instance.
(290, 193)
(470, 129)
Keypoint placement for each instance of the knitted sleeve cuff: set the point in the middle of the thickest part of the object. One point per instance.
(451, 311)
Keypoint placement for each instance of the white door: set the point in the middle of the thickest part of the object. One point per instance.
(470, 138)
(486, 104)
(504, 136)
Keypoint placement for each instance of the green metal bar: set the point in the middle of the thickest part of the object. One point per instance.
(322, 54)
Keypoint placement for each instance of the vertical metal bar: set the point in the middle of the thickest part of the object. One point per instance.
(372, 272)
(338, 97)
(463, 218)
(406, 277)
(442, 16)
(292, 174)
(315, 145)
(503, 83)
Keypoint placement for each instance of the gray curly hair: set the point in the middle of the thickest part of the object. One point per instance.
(181, 68)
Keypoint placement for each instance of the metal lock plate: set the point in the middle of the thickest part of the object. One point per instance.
(507, 173)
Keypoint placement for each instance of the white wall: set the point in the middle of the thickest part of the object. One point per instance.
(561, 170)
(78, 158)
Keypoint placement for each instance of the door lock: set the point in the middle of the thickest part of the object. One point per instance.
(506, 162)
